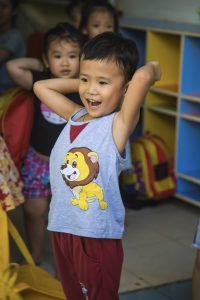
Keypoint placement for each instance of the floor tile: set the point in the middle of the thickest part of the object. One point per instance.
(177, 291)
(131, 282)
(149, 294)
(160, 263)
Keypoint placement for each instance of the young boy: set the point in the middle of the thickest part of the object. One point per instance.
(86, 212)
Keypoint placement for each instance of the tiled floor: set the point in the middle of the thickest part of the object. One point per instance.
(174, 291)
(157, 245)
(157, 248)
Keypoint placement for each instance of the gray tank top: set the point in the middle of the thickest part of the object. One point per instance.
(84, 169)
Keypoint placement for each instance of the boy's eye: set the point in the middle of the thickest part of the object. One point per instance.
(83, 79)
(102, 82)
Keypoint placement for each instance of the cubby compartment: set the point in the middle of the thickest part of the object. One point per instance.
(188, 190)
(190, 83)
(161, 103)
(172, 107)
(188, 152)
(165, 48)
(139, 37)
(161, 125)
(190, 110)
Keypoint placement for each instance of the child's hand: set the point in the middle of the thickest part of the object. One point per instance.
(155, 65)
(148, 73)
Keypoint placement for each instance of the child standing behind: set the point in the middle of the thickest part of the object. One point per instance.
(98, 17)
(86, 212)
(61, 59)
(12, 44)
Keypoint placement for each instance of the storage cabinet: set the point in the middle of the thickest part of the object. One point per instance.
(172, 107)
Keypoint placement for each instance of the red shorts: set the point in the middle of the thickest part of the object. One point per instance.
(89, 268)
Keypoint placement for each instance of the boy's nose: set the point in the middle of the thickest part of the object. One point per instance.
(92, 89)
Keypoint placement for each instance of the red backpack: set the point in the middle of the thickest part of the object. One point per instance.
(16, 124)
(152, 176)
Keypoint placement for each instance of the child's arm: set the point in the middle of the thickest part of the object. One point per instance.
(20, 71)
(51, 92)
(128, 116)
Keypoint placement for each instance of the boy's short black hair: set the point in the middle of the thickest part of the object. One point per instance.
(112, 46)
(97, 5)
(62, 31)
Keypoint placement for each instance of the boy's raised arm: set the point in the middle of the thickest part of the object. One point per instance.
(20, 70)
(51, 92)
(137, 90)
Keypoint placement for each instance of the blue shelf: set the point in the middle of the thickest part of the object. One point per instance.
(190, 84)
(190, 107)
(188, 190)
(139, 37)
(158, 24)
(188, 157)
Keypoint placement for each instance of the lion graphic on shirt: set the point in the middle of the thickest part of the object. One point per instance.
(79, 170)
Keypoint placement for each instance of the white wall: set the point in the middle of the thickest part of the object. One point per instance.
(170, 10)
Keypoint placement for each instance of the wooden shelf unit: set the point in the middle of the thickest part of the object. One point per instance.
(172, 107)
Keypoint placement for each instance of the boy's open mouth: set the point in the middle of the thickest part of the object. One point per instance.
(93, 103)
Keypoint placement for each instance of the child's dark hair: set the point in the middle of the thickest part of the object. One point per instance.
(93, 6)
(111, 46)
(62, 31)
(73, 4)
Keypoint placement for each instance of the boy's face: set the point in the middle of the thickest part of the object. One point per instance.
(63, 59)
(101, 86)
(99, 22)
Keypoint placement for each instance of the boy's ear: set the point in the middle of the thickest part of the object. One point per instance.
(126, 87)
(45, 61)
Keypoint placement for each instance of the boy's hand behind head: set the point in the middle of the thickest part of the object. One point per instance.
(156, 69)
(149, 73)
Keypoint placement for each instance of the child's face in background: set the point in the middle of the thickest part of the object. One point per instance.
(99, 22)
(75, 16)
(6, 14)
(101, 86)
(63, 59)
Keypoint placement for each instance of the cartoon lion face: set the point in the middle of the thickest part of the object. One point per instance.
(80, 167)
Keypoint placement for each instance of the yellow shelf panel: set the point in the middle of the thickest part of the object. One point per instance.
(166, 48)
(161, 103)
(163, 125)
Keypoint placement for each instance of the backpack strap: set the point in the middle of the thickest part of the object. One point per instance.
(20, 243)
